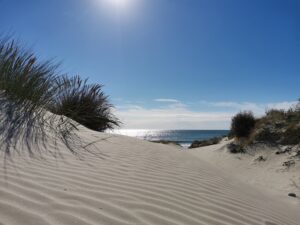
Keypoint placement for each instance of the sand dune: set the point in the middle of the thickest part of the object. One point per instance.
(268, 174)
(121, 180)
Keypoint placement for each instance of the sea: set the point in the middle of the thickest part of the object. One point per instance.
(182, 137)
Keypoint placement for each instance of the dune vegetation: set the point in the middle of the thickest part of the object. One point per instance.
(276, 127)
(37, 100)
(203, 143)
(85, 103)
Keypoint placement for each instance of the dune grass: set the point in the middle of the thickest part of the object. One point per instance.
(29, 89)
(85, 103)
(25, 91)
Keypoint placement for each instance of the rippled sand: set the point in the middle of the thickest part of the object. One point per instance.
(122, 180)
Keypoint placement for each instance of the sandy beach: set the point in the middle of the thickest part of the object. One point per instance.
(122, 180)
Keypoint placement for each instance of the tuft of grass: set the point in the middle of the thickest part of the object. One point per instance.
(84, 103)
(29, 89)
(25, 91)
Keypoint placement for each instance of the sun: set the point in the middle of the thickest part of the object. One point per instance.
(125, 9)
(119, 4)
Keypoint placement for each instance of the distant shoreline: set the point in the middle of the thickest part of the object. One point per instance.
(183, 137)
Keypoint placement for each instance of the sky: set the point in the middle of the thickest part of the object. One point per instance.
(170, 64)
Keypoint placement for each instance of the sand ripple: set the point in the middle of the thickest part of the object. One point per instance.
(125, 181)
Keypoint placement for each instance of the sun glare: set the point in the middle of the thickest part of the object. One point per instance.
(119, 11)
(119, 4)
(118, 7)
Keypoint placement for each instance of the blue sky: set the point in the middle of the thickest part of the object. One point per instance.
(170, 63)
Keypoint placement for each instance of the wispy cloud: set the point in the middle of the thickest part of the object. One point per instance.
(174, 115)
(167, 100)
(177, 115)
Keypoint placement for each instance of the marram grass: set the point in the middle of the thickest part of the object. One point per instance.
(29, 89)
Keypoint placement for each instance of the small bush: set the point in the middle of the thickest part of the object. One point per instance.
(84, 103)
(242, 124)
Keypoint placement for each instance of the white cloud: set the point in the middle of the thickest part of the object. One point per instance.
(172, 118)
(177, 115)
(167, 100)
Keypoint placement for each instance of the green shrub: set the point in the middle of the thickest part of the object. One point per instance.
(242, 124)
(85, 103)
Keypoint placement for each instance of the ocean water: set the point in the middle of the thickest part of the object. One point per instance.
(183, 137)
